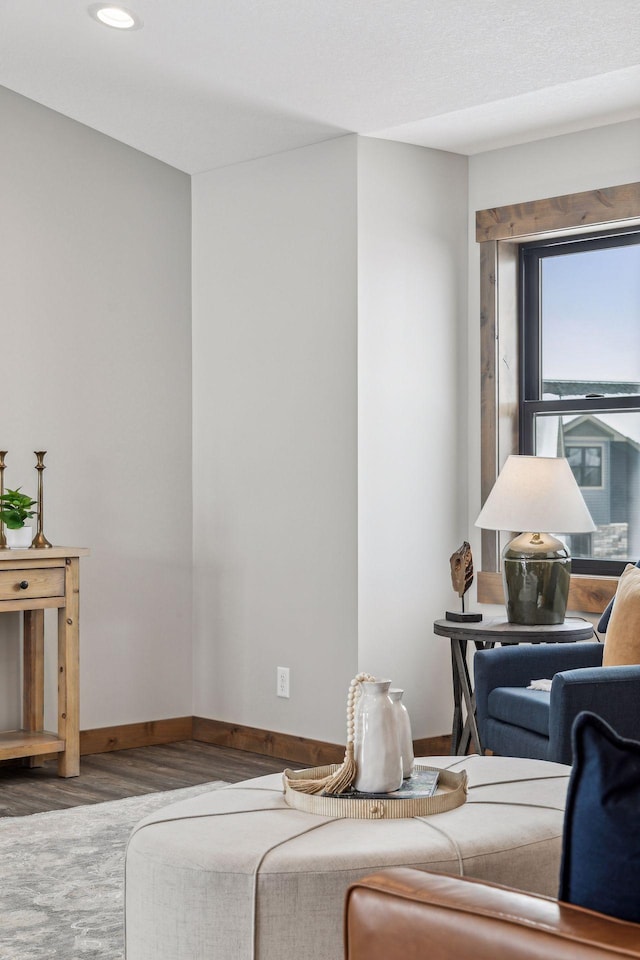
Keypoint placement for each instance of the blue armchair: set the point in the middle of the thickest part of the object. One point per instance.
(516, 722)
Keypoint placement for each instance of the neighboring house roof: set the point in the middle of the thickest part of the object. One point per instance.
(598, 429)
(586, 388)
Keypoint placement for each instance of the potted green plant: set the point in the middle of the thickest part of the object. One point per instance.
(15, 510)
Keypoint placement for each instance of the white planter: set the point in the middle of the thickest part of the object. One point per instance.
(403, 725)
(376, 745)
(19, 539)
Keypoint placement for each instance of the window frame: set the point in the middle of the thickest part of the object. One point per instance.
(532, 254)
(500, 231)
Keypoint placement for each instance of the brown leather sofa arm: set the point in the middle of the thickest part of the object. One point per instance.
(409, 914)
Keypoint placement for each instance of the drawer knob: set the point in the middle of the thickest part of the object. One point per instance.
(23, 584)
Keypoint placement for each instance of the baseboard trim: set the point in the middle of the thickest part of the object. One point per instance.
(292, 748)
(252, 739)
(128, 735)
(433, 746)
(267, 742)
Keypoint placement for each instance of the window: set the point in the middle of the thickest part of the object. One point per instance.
(501, 233)
(580, 380)
(586, 464)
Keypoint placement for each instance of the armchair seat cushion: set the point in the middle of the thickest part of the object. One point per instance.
(507, 740)
(521, 708)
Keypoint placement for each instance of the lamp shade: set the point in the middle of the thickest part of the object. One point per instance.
(536, 494)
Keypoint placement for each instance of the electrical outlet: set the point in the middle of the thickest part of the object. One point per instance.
(282, 681)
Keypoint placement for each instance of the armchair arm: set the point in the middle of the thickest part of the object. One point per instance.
(404, 913)
(518, 664)
(611, 692)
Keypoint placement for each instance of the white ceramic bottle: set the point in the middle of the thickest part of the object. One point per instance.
(376, 745)
(403, 725)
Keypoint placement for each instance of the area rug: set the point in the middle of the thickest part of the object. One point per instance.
(62, 878)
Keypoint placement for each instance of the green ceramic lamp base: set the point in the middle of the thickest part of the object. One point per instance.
(536, 570)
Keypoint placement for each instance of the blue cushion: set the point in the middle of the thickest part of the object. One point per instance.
(509, 741)
(600, 866)
(521, 707)
(603, 622)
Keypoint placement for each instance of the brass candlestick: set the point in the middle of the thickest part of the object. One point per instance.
(3, 539)
(40, 542)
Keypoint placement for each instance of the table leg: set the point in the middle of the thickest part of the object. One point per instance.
(470, 727)
(68, 674)
(33, 676)
(456, 726)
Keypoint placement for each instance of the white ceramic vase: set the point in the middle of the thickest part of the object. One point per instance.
(403, 726)
(376, 744)
(19, 539)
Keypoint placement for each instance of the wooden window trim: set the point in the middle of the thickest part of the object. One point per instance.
(499, 232)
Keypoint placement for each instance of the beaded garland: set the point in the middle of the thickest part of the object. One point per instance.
(343, 778)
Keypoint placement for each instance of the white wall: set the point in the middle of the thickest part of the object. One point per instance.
(274, 401)
(603, 157)
(95, 280)
(279, 262)
(328, 288)
(412, 217)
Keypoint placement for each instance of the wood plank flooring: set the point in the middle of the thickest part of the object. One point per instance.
(127, 773)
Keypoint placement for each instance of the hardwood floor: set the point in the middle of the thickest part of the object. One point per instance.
(126, 773)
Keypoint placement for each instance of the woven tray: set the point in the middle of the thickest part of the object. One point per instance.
(451, 793)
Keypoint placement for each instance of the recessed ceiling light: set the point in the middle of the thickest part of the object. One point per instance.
(118, 17)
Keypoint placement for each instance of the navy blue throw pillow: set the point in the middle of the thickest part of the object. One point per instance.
(603, 622)
(600, 866)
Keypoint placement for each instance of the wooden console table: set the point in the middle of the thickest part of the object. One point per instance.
(32, 581)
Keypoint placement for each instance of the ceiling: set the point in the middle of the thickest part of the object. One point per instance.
(206, 83)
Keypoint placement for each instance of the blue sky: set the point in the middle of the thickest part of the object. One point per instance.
(591, 315)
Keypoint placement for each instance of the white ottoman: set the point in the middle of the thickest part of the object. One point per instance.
(236, 874)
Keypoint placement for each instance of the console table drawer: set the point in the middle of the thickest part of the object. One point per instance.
(31, 584)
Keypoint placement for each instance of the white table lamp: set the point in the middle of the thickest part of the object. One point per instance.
(536, 495)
